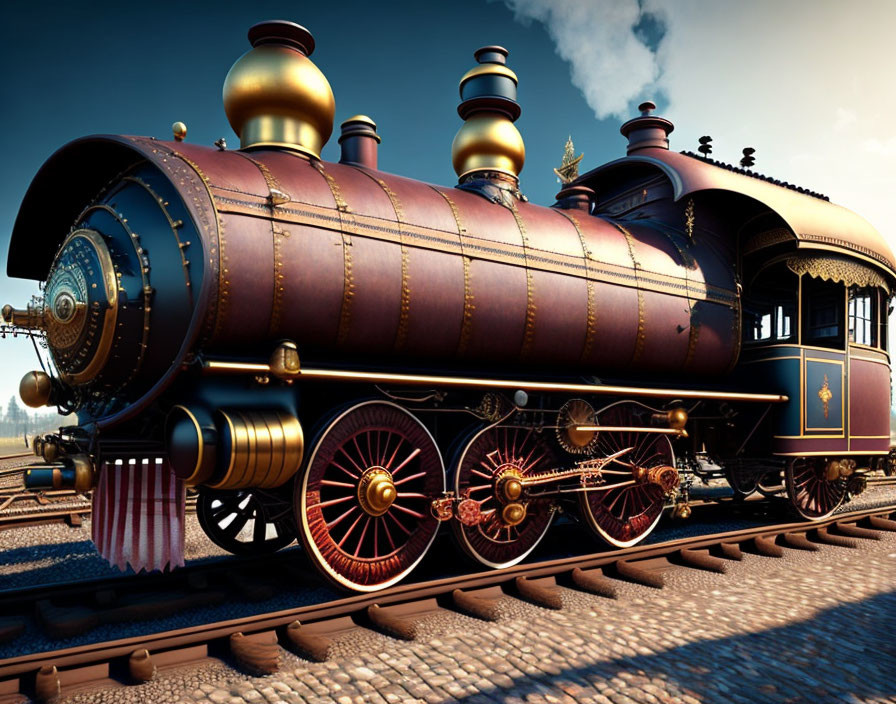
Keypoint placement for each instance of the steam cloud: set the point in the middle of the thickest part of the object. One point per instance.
(609, 63)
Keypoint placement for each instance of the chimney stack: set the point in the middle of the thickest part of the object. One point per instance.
(647, 130)
(488, 144)
(359, 142)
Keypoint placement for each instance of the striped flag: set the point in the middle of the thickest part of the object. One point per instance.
(138, 515)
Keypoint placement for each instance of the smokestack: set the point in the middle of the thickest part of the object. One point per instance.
(359, 142)
(488, 142)
(647, 130)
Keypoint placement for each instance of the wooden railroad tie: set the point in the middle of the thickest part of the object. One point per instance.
(799, 541)
(822, 535)
(541, 592)
(258, 653)
(595, 582)
(474, 604)
(851, 530)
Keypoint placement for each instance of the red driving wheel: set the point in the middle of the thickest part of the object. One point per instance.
(364, 501)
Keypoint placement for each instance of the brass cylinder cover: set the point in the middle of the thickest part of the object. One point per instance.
(274, 95)
(488, 141)
(35, 389)
(50, 449)
(258, 448)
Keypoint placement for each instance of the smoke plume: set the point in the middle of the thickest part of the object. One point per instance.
(610, 64)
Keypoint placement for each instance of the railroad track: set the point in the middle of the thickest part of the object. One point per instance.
(16, 455)
(20, 508)
(253, 643)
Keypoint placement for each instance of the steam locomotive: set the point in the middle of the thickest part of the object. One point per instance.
(329, 352)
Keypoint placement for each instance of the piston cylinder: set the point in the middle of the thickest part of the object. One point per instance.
(257, 449)
(234, 448)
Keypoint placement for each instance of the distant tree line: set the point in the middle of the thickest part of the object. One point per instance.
(19, 422)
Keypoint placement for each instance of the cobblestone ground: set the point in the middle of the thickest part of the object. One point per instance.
(811, 627)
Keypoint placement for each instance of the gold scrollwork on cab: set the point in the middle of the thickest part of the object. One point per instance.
(689, 219)
(825, 394)
(837, 270)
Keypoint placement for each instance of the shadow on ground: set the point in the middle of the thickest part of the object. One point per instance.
(843, 654)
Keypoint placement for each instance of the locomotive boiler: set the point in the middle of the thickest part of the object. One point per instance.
(331, 352)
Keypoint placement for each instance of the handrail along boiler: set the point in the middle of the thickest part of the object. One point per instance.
(330, 352)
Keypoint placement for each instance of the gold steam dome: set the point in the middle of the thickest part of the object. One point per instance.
(275, 96)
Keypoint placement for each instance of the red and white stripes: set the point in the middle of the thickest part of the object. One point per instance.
(138, 515)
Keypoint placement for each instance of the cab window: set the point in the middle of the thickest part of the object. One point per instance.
(884, 319)
(823, 314)
(862, 316)
(770, 318)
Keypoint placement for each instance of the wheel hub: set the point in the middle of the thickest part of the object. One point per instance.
(376, 491)
(513, 514)
(510, 487)
(508, 490)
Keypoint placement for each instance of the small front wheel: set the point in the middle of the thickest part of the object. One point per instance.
(245, 521)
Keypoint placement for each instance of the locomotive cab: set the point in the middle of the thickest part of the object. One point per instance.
(815, 328)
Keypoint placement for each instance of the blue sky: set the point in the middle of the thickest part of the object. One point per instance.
(811, 92)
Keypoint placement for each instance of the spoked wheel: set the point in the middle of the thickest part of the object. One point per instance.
(512, 521)
(630, 508)
(245, 521)
(364, 502)
(814, 491)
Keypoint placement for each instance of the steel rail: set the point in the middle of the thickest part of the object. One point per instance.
(17, 455)
(53, 513)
